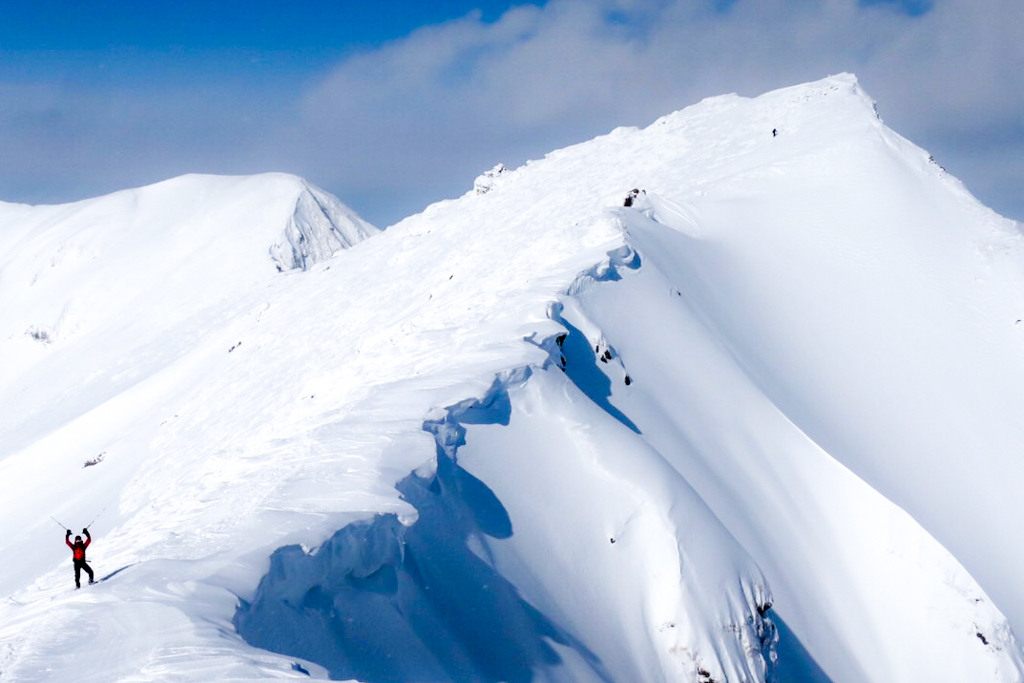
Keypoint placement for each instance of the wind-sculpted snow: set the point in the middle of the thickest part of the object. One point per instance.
(793, 506)
(789, 373)
(489, 180)
(450, 597)
(380, 602)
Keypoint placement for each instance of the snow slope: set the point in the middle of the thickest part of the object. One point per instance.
(528, 434)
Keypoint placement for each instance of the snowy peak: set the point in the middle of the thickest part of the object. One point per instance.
(101, 255)
(243, 216)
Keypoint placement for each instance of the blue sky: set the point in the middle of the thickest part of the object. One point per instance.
(100, 24)
(392, 105)
(116, 44)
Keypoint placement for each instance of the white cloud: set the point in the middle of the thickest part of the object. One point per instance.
(473, 92)
(415, 120)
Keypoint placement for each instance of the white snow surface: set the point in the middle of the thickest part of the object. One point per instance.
(529, 434)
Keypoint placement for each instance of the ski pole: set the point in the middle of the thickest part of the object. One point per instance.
(59, 524)
(95, 518)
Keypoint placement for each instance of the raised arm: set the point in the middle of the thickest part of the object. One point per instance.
(67, 539)
(88, 538)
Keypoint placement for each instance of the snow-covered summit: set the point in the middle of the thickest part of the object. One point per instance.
(769, 410)
(298, 224)
(73, 267)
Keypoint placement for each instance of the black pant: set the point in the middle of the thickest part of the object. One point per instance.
(79, 566)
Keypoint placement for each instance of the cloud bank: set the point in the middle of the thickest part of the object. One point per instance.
(414, 120)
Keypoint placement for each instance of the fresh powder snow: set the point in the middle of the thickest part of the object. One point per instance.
(759, 425)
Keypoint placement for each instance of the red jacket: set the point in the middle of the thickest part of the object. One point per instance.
(78, 548)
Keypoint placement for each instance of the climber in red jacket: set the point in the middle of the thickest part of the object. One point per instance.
(78, 551)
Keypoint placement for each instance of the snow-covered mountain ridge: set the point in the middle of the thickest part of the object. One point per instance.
(790, 378)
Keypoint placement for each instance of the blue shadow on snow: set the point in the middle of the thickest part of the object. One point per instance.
(796, 664)
(583, 369)
(383, 603)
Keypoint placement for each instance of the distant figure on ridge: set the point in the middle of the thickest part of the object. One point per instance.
(78, 551)
(633, 194)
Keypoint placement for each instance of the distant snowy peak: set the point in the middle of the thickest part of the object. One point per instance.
(177, 245)
(278, 214)
(303, 224)
(319, 228)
